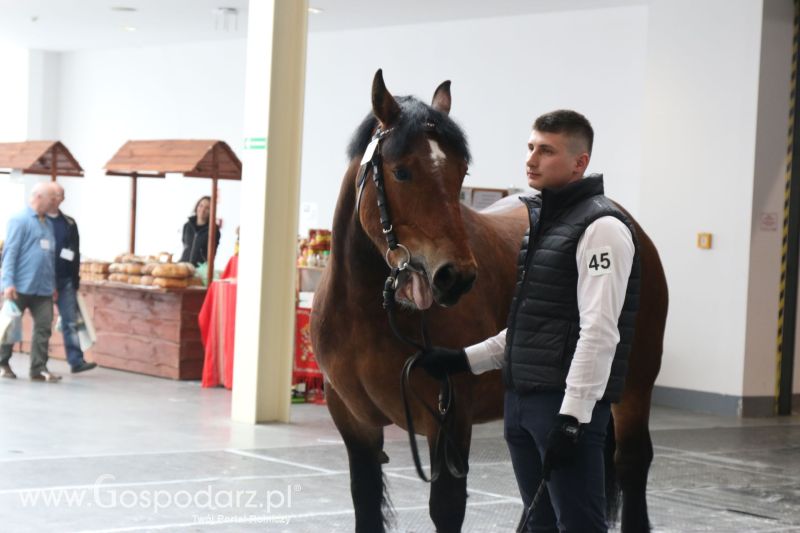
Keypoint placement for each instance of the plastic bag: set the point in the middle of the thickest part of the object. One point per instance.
(10, 323)
(86, 332)
(84, 327)
(201, 271)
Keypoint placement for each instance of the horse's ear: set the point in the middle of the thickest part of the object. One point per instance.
(384, 106)
(441, 98)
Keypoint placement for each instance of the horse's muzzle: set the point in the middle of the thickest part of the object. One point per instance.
(450, 283)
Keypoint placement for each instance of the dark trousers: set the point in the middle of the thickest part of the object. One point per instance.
(575, 497)
(68, 310)
(42, 310)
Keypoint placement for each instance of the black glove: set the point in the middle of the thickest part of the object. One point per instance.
(440, 362)
(562, 444)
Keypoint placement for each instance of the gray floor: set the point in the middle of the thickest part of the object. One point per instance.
(112, 451)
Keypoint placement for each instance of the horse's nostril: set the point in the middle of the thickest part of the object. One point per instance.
(445, 277)
(451, 283)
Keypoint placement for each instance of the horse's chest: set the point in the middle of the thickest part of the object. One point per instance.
(363, 373)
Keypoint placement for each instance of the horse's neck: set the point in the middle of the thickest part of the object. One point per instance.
(353, 254)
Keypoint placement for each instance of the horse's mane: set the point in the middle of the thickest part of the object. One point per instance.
(414, 114)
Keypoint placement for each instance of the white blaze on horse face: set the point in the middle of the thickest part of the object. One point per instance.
(437, 156)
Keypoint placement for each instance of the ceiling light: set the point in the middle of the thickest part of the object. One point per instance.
(129, 28)
(124, 9)
(315, 10)
(226, 18)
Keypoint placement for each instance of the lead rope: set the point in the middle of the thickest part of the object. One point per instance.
(529, 512)
(444, 443)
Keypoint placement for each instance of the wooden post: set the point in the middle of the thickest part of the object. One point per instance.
(212, 221)
(54, 163)
(132, 247)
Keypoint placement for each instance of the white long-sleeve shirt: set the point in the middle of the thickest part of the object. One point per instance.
(604, 258)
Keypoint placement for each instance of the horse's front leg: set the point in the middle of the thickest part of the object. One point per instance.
(364, 445)
(448, 498)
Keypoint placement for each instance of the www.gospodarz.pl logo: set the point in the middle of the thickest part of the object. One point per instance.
(104, 494)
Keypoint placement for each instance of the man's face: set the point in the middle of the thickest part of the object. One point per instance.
(41, 202)
(554, 160)
(58, 198)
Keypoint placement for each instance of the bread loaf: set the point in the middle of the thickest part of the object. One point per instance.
(99, 267)
(195, 282)
(189, 267)
(171, 283)
(146, 280)
(135, 279)
(133, 269)
(170, 270)
(148, 268)
(122, 278)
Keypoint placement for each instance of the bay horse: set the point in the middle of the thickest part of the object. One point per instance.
(463, 261)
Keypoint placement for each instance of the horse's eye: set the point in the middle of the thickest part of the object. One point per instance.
(402, 174)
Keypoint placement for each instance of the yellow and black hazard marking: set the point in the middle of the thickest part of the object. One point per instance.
(787, 309)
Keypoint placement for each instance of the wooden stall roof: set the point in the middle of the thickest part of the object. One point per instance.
(38, 157)
(190, 158)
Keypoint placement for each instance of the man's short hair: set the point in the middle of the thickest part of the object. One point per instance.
(568, 122)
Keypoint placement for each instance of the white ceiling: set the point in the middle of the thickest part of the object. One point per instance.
(92, 24)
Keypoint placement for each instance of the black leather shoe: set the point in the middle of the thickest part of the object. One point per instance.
(6, 372)
(83, 367)
(45, 375)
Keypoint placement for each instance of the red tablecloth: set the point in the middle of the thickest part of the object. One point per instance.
(217, 326)
(304, 367)
(232, 268)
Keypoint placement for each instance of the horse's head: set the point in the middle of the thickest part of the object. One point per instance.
(423, 156)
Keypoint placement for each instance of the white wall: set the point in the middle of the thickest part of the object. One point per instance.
(43, 82)
(505, 73)
(189, 91)
(13, 124)
(768, 197)
(698, 158)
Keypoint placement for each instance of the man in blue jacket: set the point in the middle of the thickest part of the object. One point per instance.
(28, 277)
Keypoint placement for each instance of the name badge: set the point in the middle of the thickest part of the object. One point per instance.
(67, 254)
(45, 244)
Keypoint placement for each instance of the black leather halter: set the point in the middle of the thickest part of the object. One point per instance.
(445, 448)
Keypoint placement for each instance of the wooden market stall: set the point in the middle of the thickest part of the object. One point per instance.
(50, 158)
(212, 159)
(148, 329)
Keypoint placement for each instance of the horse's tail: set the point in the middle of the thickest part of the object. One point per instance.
(613, 490)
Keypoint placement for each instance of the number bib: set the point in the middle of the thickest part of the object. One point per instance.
(600, 261)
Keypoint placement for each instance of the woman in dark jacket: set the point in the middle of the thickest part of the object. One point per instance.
(195, 234)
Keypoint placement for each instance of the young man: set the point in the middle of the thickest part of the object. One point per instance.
(564, 353)
(29, 278)
(68, 262)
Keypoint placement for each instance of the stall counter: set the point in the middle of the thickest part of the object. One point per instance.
(148, 330)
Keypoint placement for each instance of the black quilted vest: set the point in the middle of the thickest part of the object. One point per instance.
(544, 322)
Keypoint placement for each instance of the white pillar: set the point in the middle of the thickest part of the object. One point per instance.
(274, 97)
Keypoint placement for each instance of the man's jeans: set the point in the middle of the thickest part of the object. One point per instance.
(42, 310)
(68, 309)
(575, 497)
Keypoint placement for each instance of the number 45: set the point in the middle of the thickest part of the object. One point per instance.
(604, 263)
